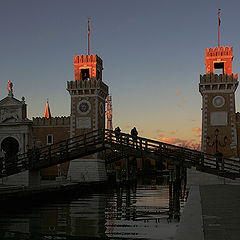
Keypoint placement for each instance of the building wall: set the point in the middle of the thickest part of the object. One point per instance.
(238, 133)
(59, 128)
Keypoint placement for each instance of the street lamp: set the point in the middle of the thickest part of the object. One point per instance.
(217, 143)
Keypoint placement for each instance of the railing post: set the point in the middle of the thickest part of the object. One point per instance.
(160, 149)
(219, 157)
(222, 163)
(110, 136)
(127, 169)
(66, 146)
(141, 144)
(103, 137)
(84, 140)
(121, 142)
(146, 144)
(202, 159)
(49, 153)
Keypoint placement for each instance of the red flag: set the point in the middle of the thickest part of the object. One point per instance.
(88, 27)
(219, 21)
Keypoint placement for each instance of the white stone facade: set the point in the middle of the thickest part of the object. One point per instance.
(87, 170)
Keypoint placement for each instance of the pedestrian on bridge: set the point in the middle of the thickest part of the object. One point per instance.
(117, 132)
(134, 134)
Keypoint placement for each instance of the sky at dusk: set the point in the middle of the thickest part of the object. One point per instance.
(153, 53)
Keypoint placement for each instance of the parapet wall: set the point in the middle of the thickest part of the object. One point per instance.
(219, 51)
(54, 121)
(91, 83)
(88, 59)
(215, 78)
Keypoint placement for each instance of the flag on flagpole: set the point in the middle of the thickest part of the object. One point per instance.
(219, 21)
(88, 27)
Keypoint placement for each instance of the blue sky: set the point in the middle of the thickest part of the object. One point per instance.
(153, 53)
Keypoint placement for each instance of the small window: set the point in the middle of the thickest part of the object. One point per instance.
(49, 139)
(219, 67)
(84, 74)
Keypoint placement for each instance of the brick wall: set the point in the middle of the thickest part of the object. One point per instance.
(59, 128)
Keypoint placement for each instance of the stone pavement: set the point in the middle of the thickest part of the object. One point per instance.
(191, 222)
(212, 212)
(221, 212)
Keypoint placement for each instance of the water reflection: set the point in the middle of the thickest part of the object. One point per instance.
(145, 211)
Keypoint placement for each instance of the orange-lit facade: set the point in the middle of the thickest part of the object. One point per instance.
(219, 58)
(88, 66)
(220, 122)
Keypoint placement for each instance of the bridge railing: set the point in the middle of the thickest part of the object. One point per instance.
(192, 156)
(63, 148)
(36, 157)
(61, 151)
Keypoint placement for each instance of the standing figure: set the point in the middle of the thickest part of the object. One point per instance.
(134, 134)
(117, 132)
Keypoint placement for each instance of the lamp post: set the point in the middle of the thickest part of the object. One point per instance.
(216, 142)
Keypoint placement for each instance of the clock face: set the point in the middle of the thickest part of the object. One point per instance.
(84, 107)
(218, 101)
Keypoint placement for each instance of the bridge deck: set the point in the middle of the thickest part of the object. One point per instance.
(120, 146)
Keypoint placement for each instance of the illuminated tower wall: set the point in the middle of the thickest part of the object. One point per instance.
(88, 94)
(218, 102)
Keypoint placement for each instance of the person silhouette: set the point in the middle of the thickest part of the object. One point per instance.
(134, 134)
(117, 132)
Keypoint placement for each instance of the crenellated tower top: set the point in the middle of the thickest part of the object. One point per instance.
(219, 58)
(88, 66)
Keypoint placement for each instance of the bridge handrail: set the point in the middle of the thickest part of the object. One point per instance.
(104, 137)
(151, 144)
(165, 144)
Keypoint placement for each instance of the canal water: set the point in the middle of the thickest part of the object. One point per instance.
(141, 211)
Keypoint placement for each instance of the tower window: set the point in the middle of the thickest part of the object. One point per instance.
(84, 74)
(49, 139)
(219, 67)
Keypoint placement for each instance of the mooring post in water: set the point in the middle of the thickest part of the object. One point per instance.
(170, 183)
(183, 182)
(176, 192)
(118, 174)
(128, 202)
(170, 194)
(134, 168)
(127, 169)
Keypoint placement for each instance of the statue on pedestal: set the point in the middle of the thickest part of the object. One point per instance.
(10, 88)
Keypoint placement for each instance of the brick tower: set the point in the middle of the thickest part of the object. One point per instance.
(88, 94)
(218, 103)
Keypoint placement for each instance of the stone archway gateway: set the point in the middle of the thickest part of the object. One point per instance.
(10, 146)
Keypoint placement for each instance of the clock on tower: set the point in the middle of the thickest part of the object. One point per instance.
(88, 94)
(218, 102)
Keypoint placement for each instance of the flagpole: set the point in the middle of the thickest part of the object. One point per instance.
(88, 35)
(218, 27)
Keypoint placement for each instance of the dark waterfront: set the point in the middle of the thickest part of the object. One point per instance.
(137, 212)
